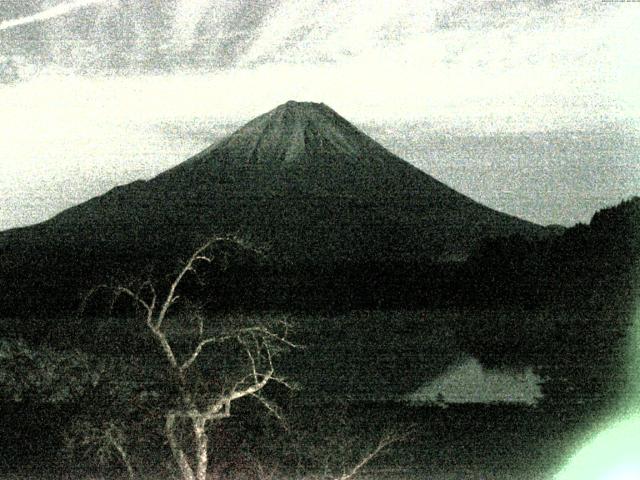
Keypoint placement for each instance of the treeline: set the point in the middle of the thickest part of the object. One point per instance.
(565, 304)
(54, 283)
(587, 266)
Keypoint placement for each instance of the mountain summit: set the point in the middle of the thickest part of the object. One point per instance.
(299, 132)
(299, 179)
(306, 148)
(293, 132)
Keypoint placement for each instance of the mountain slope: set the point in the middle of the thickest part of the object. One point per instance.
(299, 179)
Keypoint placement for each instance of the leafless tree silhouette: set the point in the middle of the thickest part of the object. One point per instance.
(259, 341)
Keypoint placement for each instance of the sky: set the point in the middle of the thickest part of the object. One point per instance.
(528, 107)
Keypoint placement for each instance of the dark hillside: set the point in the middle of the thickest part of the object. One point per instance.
(567, 304)
(300, 180)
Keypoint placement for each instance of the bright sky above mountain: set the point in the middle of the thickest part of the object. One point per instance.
(529, 107)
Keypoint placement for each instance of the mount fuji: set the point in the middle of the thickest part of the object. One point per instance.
(299, 179)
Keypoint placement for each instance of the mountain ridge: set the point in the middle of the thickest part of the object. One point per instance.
(299, 138)
(300, 181)
(300, 178)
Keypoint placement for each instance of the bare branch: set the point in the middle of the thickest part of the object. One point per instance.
(259, 343)
(237, 334)
(154, 296)
(137, 298)
(113, 439)
(87, 297)
(267, 333)
(282, 381)
(200, 319)
(189, 266)
(120, 290)
(251, 389)
(171, 296)
(166, 347)
(250, 355)
(233, 335)
(220, 408)
(194, 355)
(178, 454)
(385, 442)
(150, 308)
(149, 285)
(272, 408)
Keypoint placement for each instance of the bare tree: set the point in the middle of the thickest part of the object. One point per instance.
(336, 448)
(104, 442)
(195, 409)
(323, 466)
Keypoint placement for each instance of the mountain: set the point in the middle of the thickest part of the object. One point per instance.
(299, 179)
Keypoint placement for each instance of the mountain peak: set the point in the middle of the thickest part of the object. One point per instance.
(308, 111)
(293, 105)
(299, 178)
(292, 132)
(294, 113)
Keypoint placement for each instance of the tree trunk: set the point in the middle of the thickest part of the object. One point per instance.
(178, 454)
(201, 440)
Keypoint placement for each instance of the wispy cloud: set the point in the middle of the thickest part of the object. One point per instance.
(188, 15)
(58, 10)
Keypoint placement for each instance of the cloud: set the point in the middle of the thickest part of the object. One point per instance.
(488, 15)
(308, 31)
(441, 38)
(9, 71)
(188, 15)
(15, 68)
(53, 12)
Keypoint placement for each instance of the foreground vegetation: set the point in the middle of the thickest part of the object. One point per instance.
(322, 428)
(158, 378)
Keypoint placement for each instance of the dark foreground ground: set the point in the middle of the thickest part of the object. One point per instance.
(457, 442)
(472, 441)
